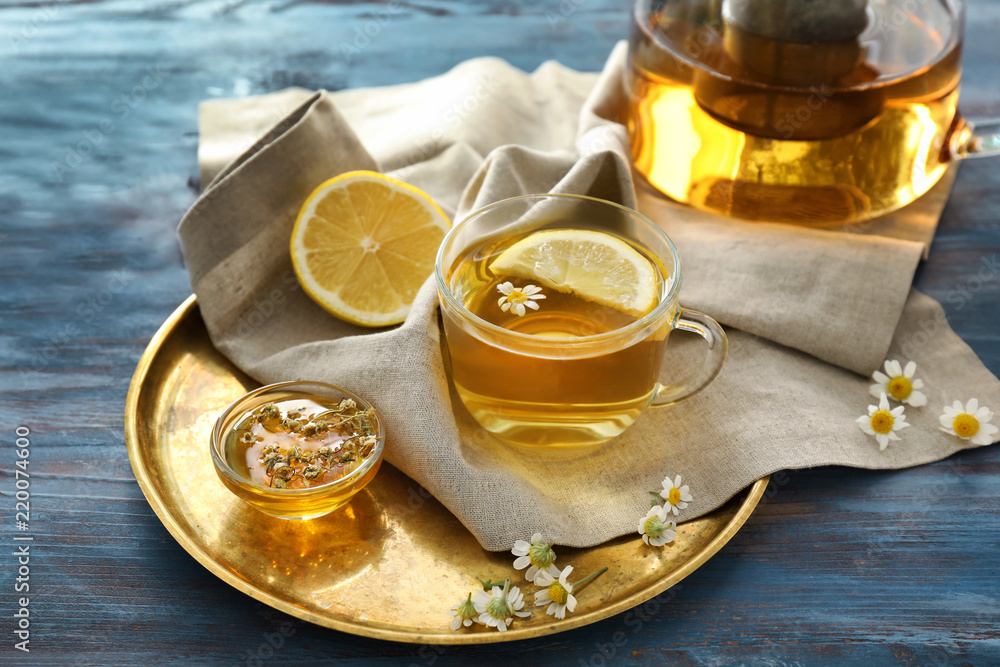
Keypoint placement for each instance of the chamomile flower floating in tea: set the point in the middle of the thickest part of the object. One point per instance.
(464, 613)
(538, 554)
(970, 422)
(882, 422)
(515, 299)
(676, 497)
(498, 608)
(898, 383)
(655, 528)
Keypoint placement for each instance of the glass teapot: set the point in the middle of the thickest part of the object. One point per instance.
(805, 111)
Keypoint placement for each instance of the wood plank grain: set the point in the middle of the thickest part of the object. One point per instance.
(839, 566)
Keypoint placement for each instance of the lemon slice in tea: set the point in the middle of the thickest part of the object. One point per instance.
(364, 243)
(593, 265)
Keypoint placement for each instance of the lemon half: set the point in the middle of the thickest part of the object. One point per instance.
(593, 265)
(363, 244)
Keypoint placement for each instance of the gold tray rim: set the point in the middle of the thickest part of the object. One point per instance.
(136, 386)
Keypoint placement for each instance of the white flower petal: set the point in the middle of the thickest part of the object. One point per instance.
(958, 407)
(505, 307)
(505, 288)
(456, 622)
(520, 548)
(865, 424)
(883, 440)
(544, 578)
(911, 367)
(983, 414)
(883, 403)
(521, 562)
(946, 421)
(918, 384)
(972, 406)
(893, 368)
(917, 399)
(531, 304)
(896, 412)
(881, 378)
(519, 309)
(571, 603)
(536, 538)
(877, 390)
(531, 289)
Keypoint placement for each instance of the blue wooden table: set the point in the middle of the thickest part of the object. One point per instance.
(98, 136)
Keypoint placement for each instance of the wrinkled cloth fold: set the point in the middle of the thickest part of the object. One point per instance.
(810, 313)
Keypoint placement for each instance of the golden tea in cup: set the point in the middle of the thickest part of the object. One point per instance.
(557, 311)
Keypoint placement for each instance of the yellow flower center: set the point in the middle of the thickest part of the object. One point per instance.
(558, 593)
(900, 387)
(517, 296)
(965, 425)
(882, 421)
(674, 496)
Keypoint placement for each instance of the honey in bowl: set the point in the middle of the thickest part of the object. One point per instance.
(297, 450)
(299, 443)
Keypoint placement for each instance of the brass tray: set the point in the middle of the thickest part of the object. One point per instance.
(391, 563)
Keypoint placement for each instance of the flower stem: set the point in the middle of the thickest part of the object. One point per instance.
(586, 579)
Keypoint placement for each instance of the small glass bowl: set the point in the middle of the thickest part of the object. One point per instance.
(307, 503)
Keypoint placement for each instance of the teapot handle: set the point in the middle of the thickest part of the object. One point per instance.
(980, 138)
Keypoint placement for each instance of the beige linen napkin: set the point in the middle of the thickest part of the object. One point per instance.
(809, 313)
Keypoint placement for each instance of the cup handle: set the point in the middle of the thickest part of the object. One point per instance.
(718, 346)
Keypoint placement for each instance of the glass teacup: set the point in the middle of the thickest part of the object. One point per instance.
(557, 311)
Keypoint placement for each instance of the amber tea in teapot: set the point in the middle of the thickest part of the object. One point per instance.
(796, 111)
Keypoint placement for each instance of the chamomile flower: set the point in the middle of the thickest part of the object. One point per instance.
(970, 422)
(464, 613)
(655, 529)
(498, 608)
(515, 299)
(539, 555)
(882, 422)
(557, 593)
(898, 383)
(677, 496)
